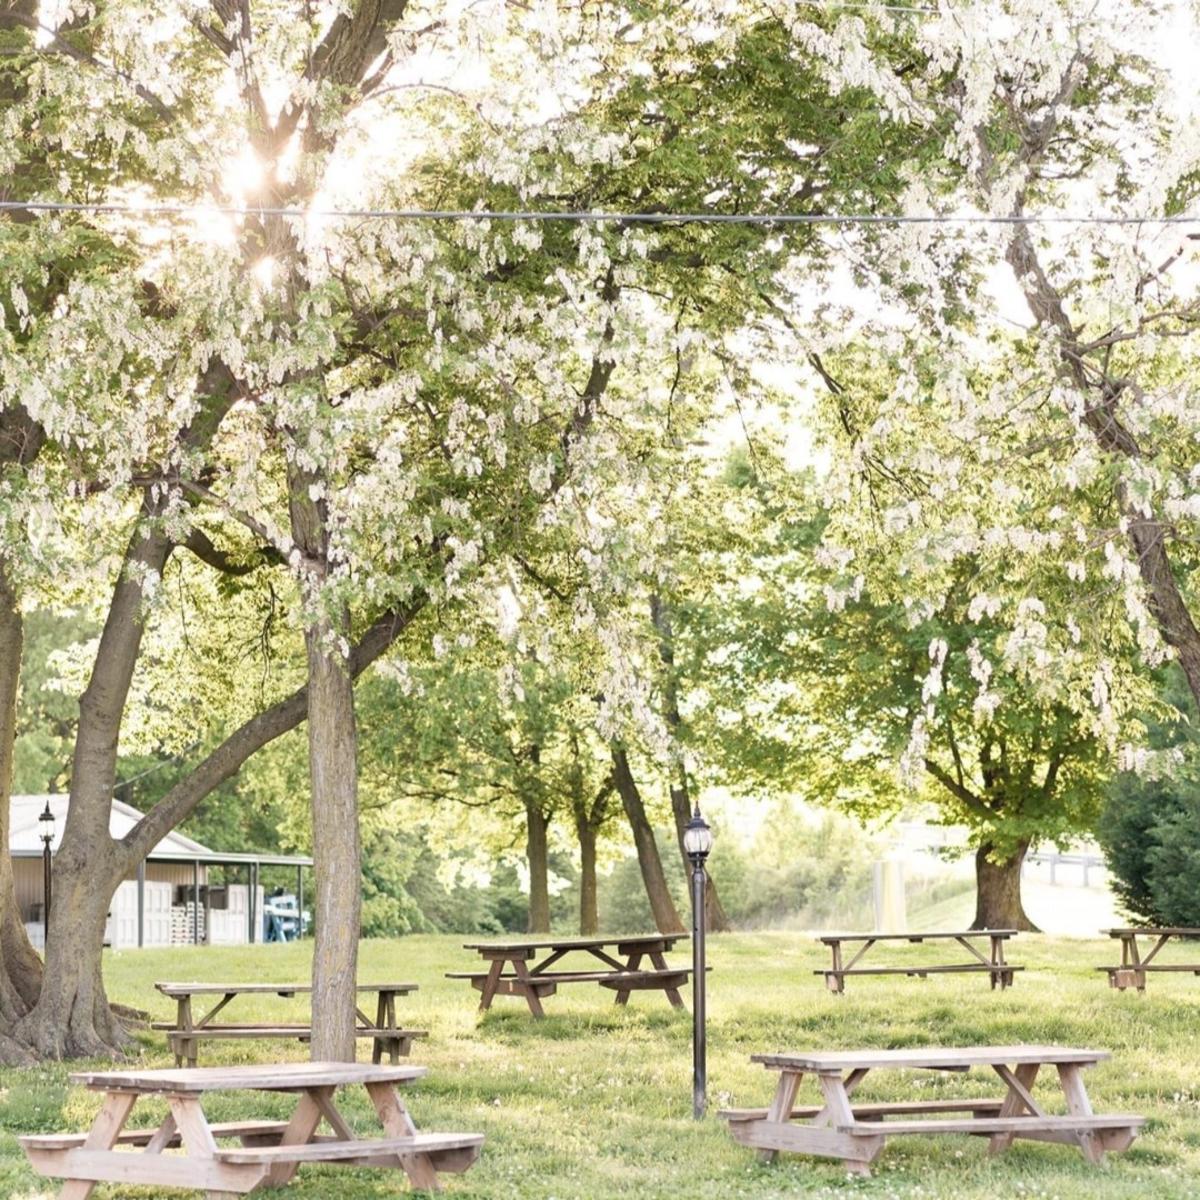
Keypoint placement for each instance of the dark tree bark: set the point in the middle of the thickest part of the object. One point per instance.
(537, 856)
(681, 800)
(72, 1017)
(20, 967)
(662, 905)
(589, 817)
(998, 891)
(589, 911)
(21, 440)
(333, 772)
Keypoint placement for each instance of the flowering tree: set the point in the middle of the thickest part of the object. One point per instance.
(1048, 420)
(380, 408)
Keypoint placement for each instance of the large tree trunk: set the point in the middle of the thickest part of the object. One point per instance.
(589, 912)
(662, 906)
(333, 770)
(20, 967)
(537, 857)
(998, 891)
(681, 800)
(72, 1017)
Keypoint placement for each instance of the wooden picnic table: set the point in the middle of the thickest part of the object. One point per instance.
(620, 971)
(186, 1033)
(267, 1153)
(999, 971)
(855, 1133)
(1133, 968)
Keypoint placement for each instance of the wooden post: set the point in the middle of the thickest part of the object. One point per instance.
(141, 903)
(195, 902)
(252, 900)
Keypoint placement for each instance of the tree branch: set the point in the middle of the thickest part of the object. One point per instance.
(226, 759)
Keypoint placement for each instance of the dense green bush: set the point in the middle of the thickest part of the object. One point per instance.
(1150, 831)
(1150, 827)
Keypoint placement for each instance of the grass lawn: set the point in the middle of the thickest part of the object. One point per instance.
(595, 1101)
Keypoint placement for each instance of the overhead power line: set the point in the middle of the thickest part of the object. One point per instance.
(588, 217)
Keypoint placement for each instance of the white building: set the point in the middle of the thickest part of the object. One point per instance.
(168, 900)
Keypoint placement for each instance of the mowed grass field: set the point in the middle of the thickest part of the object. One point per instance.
(595, 1101)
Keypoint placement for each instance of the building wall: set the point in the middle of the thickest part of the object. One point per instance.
(27, 880)
(165, 923)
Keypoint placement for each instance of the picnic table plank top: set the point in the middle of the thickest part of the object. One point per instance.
(203, 989)
(927, 1057)
(577, 943)
(828, 938)
(274, 1077)
(1154, 931)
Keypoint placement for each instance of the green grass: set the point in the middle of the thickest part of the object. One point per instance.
(596, 1101)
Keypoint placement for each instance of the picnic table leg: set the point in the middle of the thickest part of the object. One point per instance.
(490, 983)
(1070, 1075)
(1012, 1105)
(1000, 974)
(837, 1105)
(659, 960)
(836, 983)
(162, 1135)
(183, 1020)
(380, 1017)
(780, 1111)
(299, 1132)
(396, 1122)
(197, 1137)
(532, 998)
(105, 1130)
(394, 1044)
(1131, 959)
(635, 961)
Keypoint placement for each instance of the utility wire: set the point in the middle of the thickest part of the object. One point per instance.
(585, 217)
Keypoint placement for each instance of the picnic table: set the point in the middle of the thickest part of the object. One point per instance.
(1133, 968)
(999, 971)
(267, 1152)
(621, 971)
(185, 1034)
(855, 1133)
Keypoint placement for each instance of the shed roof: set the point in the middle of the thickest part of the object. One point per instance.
(25, 837)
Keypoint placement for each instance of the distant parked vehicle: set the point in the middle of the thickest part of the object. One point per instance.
(282, 919)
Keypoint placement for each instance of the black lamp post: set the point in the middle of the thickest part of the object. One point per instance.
(697, 842)
(46, 825)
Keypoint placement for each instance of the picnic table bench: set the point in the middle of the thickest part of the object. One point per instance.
(185, 1034)
(622, 974)
(999, 971)
(1133, 968)
(855, 1133)
(267, 1153)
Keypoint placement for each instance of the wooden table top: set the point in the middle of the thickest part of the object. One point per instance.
(276, 1077)
(278, 989)
(639, 939)
(928, 1057)
(1154, 931)
(827, 938)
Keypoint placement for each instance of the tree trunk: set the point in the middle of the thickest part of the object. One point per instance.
(333, 771)
(666, 916)
(589, 913)
(538, 858)
(681, 800)
(72, 1018)
(998, 891)
(20, 967)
